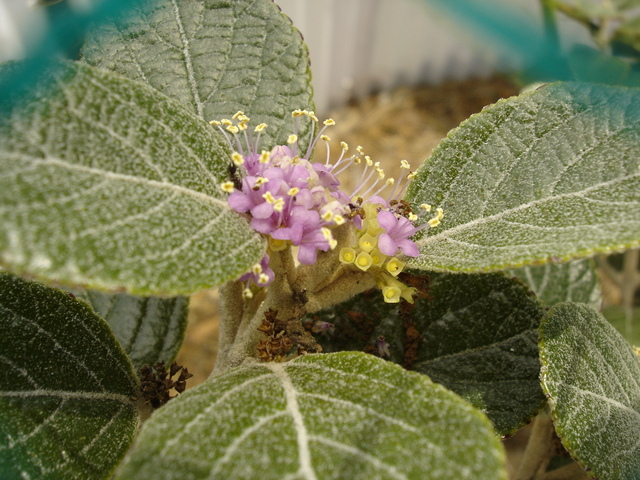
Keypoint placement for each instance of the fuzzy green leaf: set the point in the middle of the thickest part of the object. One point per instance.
(214, 56)
(592, 378)
(334, 416)
(475, 334)
(150, 329)
(105, 182)
(550, 174)
(575, 281)
(65, 387)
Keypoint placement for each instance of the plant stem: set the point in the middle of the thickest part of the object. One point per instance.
(572, 471)
(539, 449)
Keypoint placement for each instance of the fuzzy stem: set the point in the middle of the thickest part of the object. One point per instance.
(344, 288)
(572, 471)
(231, 311)
(538, 452)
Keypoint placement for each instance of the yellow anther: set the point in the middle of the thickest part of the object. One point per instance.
(363, 261)
(260, 128)
(367, 159)
(227, 187)
(329, 122)
(312, 116)
(412, 217)
(214, 122)
(367, 242)
(357, 160)
(360, 150)
(242, 126)
(344, 146)
(233, 129)
(434, 222)
(327, 216)
(404, 164)
(237, 114)
(246, 293)
(338, 220)
(380, 173)
(326, 233)
(394, 266)
(292, 139)
(293, 191)
(263, 279)
(297, 113)
(243, 118)
(278, 206)
(439, 213)
(411, 175)
(426, 207)
(295, 160)
(390, 181)
(264, 156)
(237, 159)
(347, 255)
(256, 269)
(226, 121)
(270, 199)
(261, 181)
(276, 244)
(325, 138)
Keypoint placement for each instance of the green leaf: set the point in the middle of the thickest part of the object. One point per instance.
(214, 56)
(107, 183)
(592, 378)
(575, 281)
(475, 334)
(150, 329)
(65, 387)
(550, 174)
(346, 415)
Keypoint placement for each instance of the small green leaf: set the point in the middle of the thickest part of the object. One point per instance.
(592, 378)
(65, 387)
(107, 183)
(475, 334)
(214, 56)
(575, 281)
(334, 416)
(550, 174)
(150, 329)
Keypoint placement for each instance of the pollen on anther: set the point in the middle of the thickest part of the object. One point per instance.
(404, 164)
(325, 138)
(237, 159)
(329, 122)
(263, 279)
(344, 146)
(261, 181)
(338, 220)
(256, 269)
(247, 293)
(233, 129)
(226, 121)
(214, 122)
(264, 157)
(293, 191)
(260, 128)
(426, 207)
(227, 187)
(292, 139)
(237, 114)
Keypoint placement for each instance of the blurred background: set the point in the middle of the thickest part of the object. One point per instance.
(397, 75)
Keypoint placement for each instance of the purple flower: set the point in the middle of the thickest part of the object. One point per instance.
(398, 231)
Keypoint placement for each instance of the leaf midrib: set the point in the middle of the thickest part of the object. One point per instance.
(498, 216)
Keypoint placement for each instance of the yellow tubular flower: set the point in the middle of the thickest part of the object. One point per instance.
(347, 255)
(363, 261)
(367, 242)
(394, 266)
(391, 294)
(277, 245)
(378, 257)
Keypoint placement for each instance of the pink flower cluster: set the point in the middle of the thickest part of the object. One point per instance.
(293, 201)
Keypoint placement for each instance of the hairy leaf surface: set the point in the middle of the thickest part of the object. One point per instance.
(574, 281)
(65, 387)
(215, 57)
(551, 174)
(334, 416)
(105, 182)
(592, 378)
(150, 329)
(475, 334)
